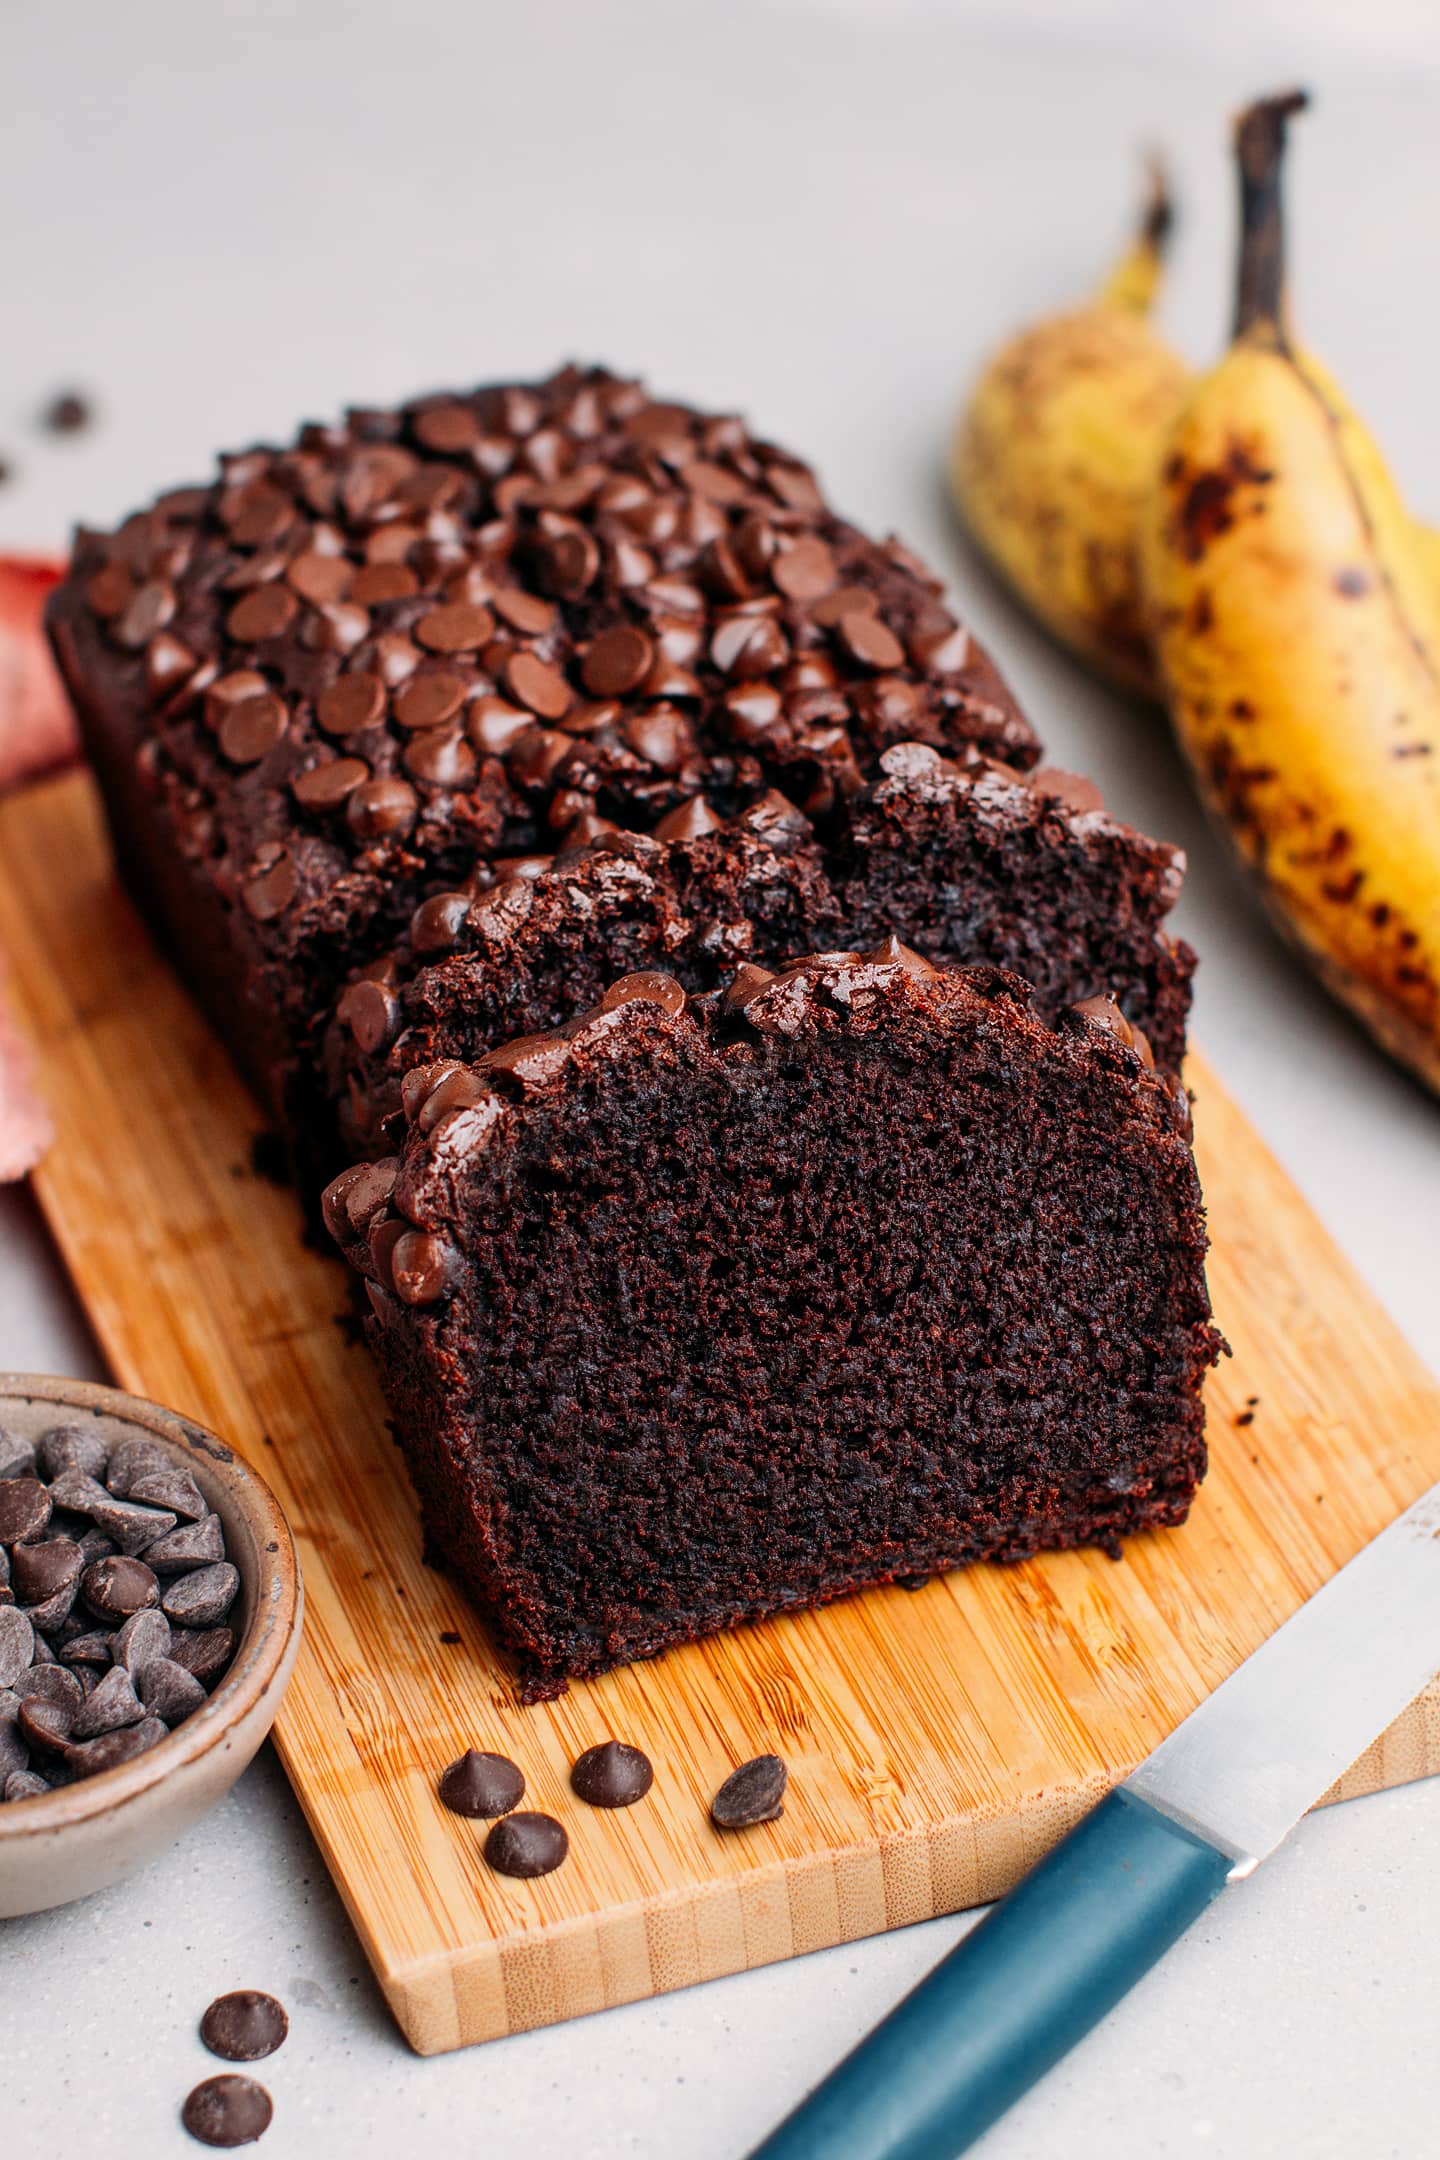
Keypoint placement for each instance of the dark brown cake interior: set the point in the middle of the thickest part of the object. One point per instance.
(743, 1309)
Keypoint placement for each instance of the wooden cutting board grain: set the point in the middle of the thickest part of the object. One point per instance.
(938, 1742)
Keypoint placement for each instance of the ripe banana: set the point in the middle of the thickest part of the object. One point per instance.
(1057, 447)
(1294, 609)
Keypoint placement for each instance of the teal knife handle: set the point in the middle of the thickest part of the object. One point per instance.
(1040, 1970)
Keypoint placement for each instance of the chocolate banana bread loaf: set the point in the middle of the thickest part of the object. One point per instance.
(691, 1311)
(318, 689)
(743, 1289)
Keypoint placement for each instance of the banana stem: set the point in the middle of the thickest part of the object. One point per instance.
(1135, 279)
(1260, 155)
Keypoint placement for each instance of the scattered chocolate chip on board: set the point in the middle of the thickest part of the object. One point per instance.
(755, 1793)
(612, 1775)
(526, 1845)
(482, 1785)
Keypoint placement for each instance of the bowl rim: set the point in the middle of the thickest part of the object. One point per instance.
(278, 1607)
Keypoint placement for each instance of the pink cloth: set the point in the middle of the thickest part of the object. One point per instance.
(37, 735)
(37, 730)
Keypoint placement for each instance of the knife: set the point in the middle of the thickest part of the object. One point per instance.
(1049, 1961)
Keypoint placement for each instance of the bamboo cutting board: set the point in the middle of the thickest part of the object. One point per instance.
(937, 1742)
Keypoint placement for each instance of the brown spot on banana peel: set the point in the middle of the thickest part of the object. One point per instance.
(1352, 584)
(1207, 505)
(1395, 999)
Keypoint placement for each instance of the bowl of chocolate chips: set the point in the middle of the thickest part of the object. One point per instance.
(150, 1612)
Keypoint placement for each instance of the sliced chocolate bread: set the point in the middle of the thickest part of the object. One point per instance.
(966, 859)
(692, 1311)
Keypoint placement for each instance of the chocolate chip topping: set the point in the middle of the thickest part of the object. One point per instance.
(482, 1785)
(755, 1793)
(526, 1845)
(227, 2111)
(244, 2026)
(454, 565)
(612, 1775)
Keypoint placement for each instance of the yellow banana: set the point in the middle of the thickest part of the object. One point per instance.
(1058, 445)
(1297, 629)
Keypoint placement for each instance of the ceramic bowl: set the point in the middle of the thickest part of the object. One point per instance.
(82, 1837)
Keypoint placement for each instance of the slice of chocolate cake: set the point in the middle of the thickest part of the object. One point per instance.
(694, 1311)
(315, 691)
(533, 940)
(964, 863)
(969, 860)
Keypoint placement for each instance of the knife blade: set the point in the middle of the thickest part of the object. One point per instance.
(1212, 1801)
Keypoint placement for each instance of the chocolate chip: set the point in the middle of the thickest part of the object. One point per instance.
(428, 701)
(383, 809)
(71, 1447)
(691, 821)
(144, 1637)
(168, 1691)
(39, 1571)
(482, 1785)
(67, 413)
(170, 1486)
(619, 660)
(755, 1793)
(227, 2111)
(202, 1652)
(805, 571)
(1100, 1012)
(526, 1845)
(79, 1493)
(437, 923)
(649, 987)
(17, 1456)
(523, 611)
(748, 646)
(456, 627)
(612, 1775)
(868, 640)
(319, 578)
(272, 884)
(252, 727)
(130, 1528)
(115, 1588)
(88, 1758)
(43, 1725)
(371, 1011)
(325, 787)
(53, 1684)
(267, 612)
(244, 2026)
(351, 703)
(130, 1459)
(199, 1600)
(194, 1544)
(92, 1650)
(566, 562)
(446, 429)
(422, 1267)
(13, 1752)
(535, 684)
(381, 581)
(111, 1704)
(24, 1509)
(441, 757)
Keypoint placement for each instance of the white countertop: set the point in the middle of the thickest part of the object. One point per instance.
(221, 217)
